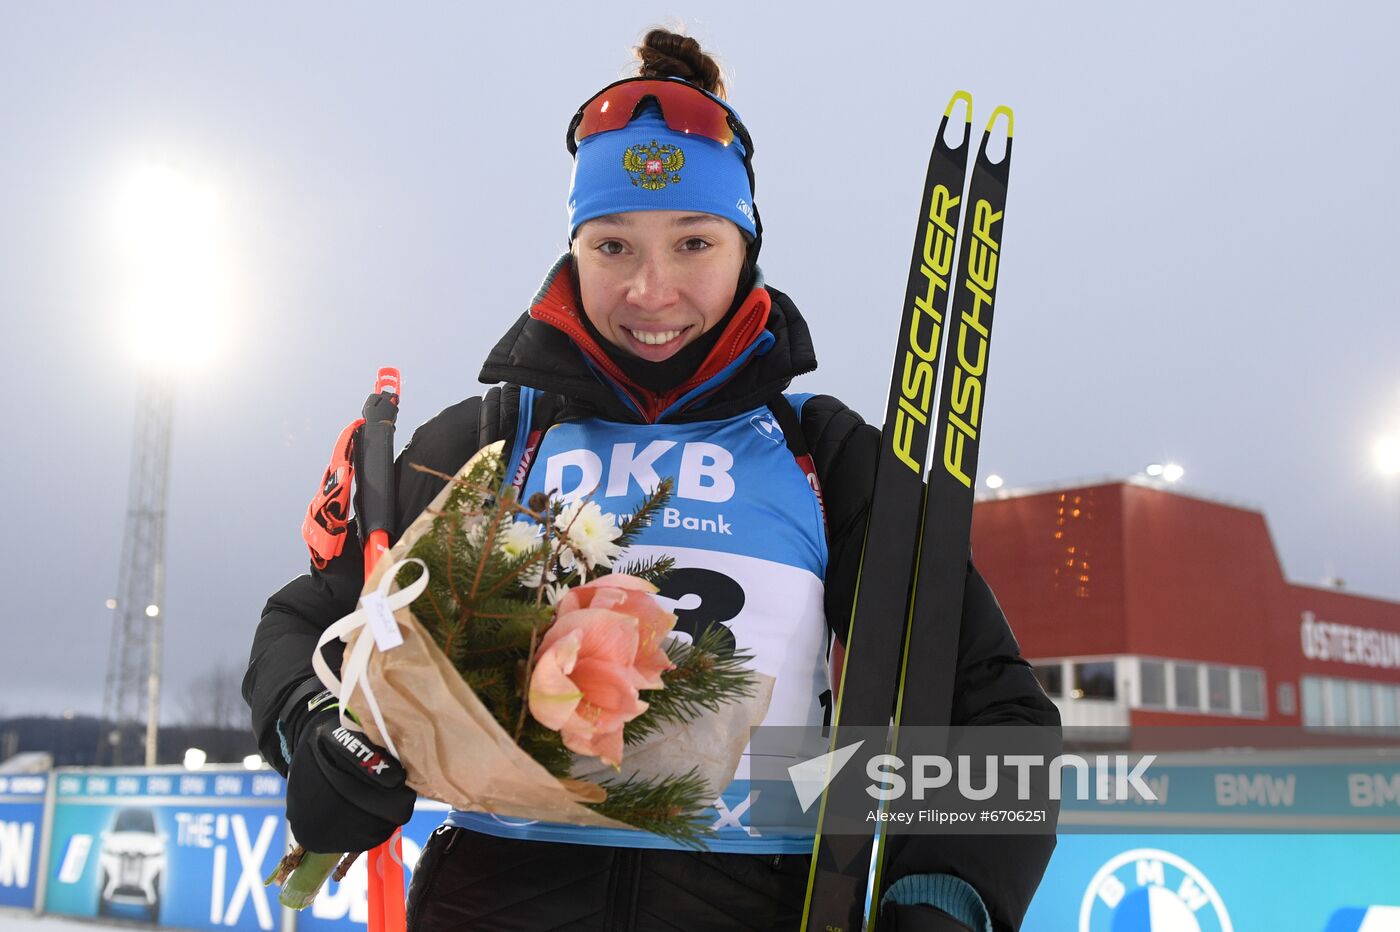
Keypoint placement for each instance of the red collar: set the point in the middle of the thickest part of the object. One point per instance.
(559, 307)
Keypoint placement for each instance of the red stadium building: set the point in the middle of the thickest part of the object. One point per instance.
(1141, 605)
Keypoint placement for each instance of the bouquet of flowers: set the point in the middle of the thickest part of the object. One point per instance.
(509, 664)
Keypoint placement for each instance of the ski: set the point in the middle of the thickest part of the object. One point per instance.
(930, 647)
(869, 670)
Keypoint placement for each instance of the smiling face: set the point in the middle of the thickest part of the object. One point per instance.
(653, 281)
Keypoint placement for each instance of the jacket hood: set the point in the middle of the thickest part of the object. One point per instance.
(763, 348)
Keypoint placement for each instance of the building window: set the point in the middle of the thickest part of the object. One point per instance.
(1052, 679)
(1287, 699)
(1251, 692)
(1187, 678)
(1312, 702)
(1186, 686)
(1362, 711)
(1385, 705)
(1337, 702)
(1094, 680)
(1350, 703)
(1152, 676)
(1218, 689)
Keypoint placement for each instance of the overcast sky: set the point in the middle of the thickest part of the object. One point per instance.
(1198, 255)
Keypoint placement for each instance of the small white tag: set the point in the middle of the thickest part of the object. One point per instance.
(380, 618)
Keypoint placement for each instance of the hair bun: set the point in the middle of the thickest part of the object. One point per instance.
(666, 54)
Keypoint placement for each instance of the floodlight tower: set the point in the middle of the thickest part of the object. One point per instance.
(169, 234)
(134, 662)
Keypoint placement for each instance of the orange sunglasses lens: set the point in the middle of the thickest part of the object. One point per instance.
(685, 109)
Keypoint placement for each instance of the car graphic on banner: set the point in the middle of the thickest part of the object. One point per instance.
(131, 863)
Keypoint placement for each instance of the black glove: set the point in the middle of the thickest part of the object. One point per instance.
(897, 917)
(344, 793)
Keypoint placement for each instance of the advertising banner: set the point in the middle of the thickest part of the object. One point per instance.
(176, 847)
(345, 905)
(1322, 791)
(1220, 883)
(21, 827)
(1304, 840)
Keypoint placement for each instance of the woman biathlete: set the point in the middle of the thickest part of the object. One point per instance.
(654, 349)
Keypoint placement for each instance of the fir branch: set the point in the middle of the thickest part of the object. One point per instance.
(454, 530)
(652, 569)
(708, 674)
(483, 681)
(667, 807)
(546, 746)
(642, 516)
(446, 632)
(515, 570)
(488, 549)
(503, 634)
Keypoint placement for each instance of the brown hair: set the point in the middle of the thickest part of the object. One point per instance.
(667, 54)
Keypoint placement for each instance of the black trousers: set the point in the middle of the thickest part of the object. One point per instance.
(470, 880)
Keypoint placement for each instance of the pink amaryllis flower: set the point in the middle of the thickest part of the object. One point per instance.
(604, 647)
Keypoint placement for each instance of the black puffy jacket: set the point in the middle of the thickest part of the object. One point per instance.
(508, 884)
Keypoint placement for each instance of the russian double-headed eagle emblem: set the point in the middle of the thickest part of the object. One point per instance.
(653, 166)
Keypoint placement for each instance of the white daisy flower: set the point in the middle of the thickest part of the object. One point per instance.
(590, 533)
(519, 538)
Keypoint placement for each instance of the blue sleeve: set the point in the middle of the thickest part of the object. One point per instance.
(953, 895)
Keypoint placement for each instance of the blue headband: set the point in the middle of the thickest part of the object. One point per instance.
(648, 166)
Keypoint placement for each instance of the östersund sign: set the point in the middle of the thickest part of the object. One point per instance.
(1366, 647)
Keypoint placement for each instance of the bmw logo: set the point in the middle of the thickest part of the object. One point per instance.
(767, 427)
(1150, 890)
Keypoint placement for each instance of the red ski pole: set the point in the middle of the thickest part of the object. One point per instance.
(385, 866)
(363, 459)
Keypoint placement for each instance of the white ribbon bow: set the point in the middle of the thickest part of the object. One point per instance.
(376, 611)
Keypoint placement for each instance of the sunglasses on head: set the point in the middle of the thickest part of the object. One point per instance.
(684, 107)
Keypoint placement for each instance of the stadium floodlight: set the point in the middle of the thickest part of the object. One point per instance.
(1167, 472)
(253, 762)
(1387, 455)
(195, 758)
(995, 482)
(173, 262)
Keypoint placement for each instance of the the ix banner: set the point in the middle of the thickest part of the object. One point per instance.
(180, 849)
